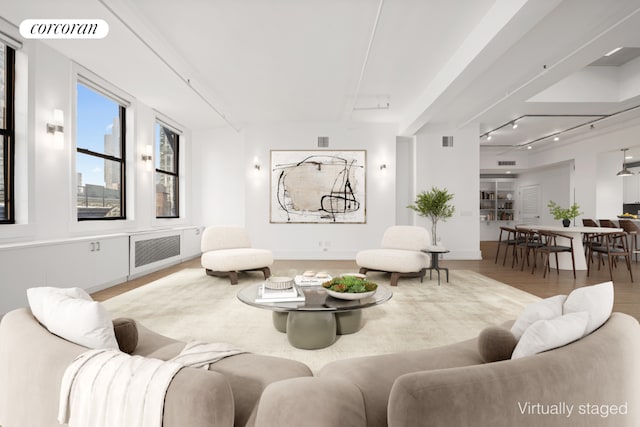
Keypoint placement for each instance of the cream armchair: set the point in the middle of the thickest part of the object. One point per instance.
(399, 254)
(226, 250)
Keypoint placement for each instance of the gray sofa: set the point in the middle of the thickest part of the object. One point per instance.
(32, 363)
(451, 386)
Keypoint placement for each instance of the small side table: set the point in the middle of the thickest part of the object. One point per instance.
(435, 252)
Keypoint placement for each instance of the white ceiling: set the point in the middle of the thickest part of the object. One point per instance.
(233, 63)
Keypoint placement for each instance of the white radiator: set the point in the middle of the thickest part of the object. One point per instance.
(150, 251)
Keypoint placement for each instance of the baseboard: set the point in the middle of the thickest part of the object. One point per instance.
(348, 255)
(315, 255)
(463, 255)
(106, 285)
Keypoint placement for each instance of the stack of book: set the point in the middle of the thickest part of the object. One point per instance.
(302, 280)
(279, 295)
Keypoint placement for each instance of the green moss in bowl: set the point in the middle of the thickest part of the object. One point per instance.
(350, 284)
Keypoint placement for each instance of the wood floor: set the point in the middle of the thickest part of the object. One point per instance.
(627, 294)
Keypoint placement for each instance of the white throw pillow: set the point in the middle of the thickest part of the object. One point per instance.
(597, 300)
(549, 334)
(71, 314)
(548, 308)
(38, 298)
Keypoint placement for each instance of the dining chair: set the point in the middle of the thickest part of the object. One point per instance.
(551, 246)
(586, 237)
(607, 223)
(509, 241)
(527, 241)
(632, 231)
(614, 245)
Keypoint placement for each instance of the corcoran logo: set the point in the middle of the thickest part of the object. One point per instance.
(64, 28)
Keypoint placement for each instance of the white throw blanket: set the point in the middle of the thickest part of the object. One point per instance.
(108, 388)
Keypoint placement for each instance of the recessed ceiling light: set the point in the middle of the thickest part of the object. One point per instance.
(489, 137)
(529, 147)
(514, 125)
(613, 51)
(556, 138)
(508, 172)
(628, 157)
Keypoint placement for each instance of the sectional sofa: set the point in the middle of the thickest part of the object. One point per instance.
(33, 361)
(591, 382)
(594, 381)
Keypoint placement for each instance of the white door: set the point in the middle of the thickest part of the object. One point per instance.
(530, 204)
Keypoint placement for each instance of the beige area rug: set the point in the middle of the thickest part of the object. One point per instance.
(189, 305)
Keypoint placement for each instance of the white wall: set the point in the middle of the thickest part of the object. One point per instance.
(405, 191)
(598, 190)
(320, 241)
(555, 184)
(609, 186)
(221, 170)
(489, 158)
(46, 175)
(457, 169)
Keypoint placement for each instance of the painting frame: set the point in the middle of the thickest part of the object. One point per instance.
(317, 187)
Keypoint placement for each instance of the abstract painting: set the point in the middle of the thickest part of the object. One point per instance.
(318, 186)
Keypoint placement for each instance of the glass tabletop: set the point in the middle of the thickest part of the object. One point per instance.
(316, 299)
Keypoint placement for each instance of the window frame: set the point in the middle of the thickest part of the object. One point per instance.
(122, 115)
(8, 140)
(176, 167)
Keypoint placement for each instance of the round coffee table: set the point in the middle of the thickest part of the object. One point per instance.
(315, 322)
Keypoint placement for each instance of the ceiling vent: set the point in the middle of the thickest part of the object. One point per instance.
(506, 162)
(323, 141)
(447, 141)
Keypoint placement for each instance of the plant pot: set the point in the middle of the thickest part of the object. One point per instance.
(566, 222)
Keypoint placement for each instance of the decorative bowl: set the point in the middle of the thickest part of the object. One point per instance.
(350, 295)
(278, 282)
(350, 287)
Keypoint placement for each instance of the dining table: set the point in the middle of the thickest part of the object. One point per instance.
(564, 259)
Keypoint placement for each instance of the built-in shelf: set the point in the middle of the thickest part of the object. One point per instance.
(497, 199)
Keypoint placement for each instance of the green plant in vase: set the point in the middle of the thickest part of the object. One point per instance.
(565, 214)
(434, 204)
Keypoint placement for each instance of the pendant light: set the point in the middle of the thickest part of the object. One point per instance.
(624, 171)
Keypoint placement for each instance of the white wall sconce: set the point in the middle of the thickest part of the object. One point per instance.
(256, 163)
(147, 157)
(383, 166)
(57, 129)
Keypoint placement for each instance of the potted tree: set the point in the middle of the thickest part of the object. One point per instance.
(434, 204)
(566, 215)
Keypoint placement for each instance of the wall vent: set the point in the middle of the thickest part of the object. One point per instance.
(154, 250)
(323, 141)
(506, 162)
(447, 141)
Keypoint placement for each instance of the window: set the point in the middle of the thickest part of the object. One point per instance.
(7, 134)
(100, 164)
(167, 178)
